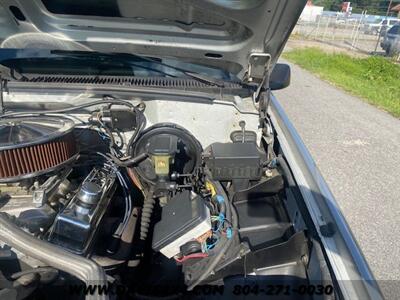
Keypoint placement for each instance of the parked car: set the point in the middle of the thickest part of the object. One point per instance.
(144, 155)
(380, 25)
(391, 41)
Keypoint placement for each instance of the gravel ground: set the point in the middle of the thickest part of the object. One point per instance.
(357, 149)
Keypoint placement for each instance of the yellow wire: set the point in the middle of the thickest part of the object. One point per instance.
(211, 188)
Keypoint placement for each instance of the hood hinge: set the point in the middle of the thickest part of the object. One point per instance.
(262, 95)
(259, 68)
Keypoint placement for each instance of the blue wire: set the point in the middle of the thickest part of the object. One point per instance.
(220, 224)
(221, 220)
(209, 247)
(103, 135)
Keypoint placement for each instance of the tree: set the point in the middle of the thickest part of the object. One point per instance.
(373, 7)
(329, 4)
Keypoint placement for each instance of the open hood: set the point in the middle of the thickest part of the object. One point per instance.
(239, 36)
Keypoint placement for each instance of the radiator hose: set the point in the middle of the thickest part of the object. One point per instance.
(84, 269)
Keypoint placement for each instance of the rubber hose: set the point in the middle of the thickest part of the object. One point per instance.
(147, 211)
(82, 268)
(220, 191)
(213, 263)
(286, 171)
(230, 211)
(129, 162)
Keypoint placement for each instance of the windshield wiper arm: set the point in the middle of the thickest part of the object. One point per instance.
(196, 76)
(205, 79)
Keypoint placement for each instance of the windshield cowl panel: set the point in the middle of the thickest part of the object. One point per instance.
(41, 61)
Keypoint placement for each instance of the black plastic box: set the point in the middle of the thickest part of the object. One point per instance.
(182, 215)
(228, 161)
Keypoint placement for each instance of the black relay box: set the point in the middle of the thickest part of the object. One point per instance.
(228, 161)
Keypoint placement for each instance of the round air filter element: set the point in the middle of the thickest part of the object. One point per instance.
(33, 146)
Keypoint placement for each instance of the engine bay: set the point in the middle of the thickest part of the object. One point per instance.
(150, 204)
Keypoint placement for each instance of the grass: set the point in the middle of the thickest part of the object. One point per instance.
(375, 79)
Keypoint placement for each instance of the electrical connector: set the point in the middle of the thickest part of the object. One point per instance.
(220, 199)
(229, 233)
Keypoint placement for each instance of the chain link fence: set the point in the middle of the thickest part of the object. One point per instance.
(356, 34)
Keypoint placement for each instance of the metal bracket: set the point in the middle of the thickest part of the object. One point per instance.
(259, 65)
(7, 74)
(41, 195)
(2, 85)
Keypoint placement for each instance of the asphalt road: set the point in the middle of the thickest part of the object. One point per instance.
(357, 149)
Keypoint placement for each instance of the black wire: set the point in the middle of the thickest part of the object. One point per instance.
(140, 124)
(140, 120)
(110, 135)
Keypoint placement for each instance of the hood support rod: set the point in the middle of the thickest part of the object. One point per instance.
(262, 96)
(1, 96)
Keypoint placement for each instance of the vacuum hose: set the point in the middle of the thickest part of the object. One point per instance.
(82, 268)
(226, 243)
